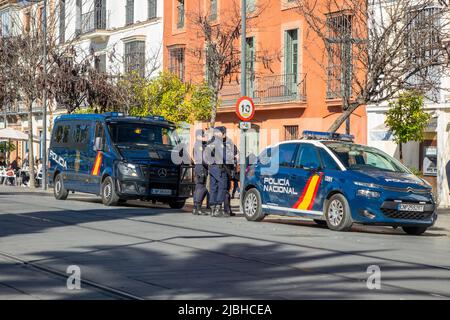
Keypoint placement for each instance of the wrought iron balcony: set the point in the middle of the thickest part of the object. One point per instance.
(97, 19)
(269, 89)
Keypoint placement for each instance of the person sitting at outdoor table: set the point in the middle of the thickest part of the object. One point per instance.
(13, 170)
(2, 162)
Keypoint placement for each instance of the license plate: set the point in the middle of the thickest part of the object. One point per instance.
(162, 192)
(411, 207)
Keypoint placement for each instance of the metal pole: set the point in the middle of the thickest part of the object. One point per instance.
(44, 104)
(347, 78)
(243, 153)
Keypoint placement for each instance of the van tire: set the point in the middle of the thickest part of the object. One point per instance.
(338, 214)
(60, 192)
(252, 206)
(415, 231)
(109, 195)
(177, 204)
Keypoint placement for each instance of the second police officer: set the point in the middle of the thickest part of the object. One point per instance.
(200, 174)
(221, 163)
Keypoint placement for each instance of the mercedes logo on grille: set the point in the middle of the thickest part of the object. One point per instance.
(162, 173)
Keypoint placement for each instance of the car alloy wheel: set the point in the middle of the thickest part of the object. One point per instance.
(335, 212)
(251, 205)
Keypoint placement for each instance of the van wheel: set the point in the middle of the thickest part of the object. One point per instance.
(415, 231)
(109, 195)
(177, 204)
(59, 191)
(337, 213)
(253, 206)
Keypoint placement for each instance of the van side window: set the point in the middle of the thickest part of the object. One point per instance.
(62, 134)
(99, 132)
(327, 160)
(81, 134)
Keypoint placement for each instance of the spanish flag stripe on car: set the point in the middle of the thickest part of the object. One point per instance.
(97, 164)
(306, 200)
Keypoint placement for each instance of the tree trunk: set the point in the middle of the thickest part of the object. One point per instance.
(215, 105)
(400, 151)
(30, 146)
(341, 119)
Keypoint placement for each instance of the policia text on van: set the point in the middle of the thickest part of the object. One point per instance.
(119, 158)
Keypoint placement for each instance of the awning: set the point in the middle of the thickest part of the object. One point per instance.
(11, 134)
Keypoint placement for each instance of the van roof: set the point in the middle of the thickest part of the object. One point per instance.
(113, 117)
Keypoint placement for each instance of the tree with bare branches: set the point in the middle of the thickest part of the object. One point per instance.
(374, 50)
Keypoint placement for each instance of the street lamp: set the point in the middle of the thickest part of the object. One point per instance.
(44, 103)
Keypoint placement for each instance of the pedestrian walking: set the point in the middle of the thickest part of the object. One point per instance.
(200, 174)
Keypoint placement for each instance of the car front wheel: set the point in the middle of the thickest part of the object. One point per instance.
(415, 231)
(337, 213)
(252, 206)
(109, 195)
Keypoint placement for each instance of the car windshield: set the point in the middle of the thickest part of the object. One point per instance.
(142, 134)
(357, 157)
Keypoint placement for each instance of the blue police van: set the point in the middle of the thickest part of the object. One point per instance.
(328, 178)
(118, 158)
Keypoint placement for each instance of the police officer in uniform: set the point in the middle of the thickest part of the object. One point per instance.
(200, 174)
(219, 178)
(230, 167)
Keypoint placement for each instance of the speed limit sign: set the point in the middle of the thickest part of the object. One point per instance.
(245, 109)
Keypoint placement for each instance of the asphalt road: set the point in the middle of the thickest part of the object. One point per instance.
(142, 251)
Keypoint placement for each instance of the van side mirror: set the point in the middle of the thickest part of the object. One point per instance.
(98, 144)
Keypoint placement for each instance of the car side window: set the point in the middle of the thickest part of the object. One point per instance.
(287, 152)
(308, 156)
(327, 161)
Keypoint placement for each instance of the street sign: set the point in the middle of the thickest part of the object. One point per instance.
(245, 109)
(245, 125)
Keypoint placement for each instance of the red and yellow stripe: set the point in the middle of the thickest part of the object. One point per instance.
(97, 164)
(306, 200)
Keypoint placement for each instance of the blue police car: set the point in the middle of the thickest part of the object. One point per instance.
(119, 158)
(328, 178)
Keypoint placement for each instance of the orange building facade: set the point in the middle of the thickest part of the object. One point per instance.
(296, 90)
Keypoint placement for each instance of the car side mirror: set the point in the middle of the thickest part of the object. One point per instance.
(98, 144)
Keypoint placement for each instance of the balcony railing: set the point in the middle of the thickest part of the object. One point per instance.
(97, 19)
(269, 89)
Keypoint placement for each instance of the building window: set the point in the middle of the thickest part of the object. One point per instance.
(250, 65)
(251, 5)
(339, 51)
(290, 79)
(423, 29)
(177, 62)
(290, 133)
(213, 10)
(78, 17)
(62, 21)
(100, 63)
(181, 12)
(129, 12)
(135, 57)
(152, 9)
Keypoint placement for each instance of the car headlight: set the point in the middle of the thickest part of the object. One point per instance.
(128, 169)
(366, 185)
(368, 193)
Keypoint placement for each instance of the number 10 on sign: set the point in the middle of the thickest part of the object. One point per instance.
(245, 109)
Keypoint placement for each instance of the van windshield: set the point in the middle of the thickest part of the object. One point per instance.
(357, 157)
(142, 134)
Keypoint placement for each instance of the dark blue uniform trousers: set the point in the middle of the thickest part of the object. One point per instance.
(218, 184)
(200, 192)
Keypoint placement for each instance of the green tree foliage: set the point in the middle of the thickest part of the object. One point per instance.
(407, 119)
(7, 146)
(167, 96)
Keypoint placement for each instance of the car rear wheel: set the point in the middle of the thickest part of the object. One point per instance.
(109, 195)
(415, 231)
(59, 190)
(178, 204)
(253, 206)
(337, 213)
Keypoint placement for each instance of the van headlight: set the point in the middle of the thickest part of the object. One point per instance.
(128, 169)
(366, 185)
(368, 193)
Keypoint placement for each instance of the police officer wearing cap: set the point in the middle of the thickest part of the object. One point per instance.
(200, 174)
(217, 149)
